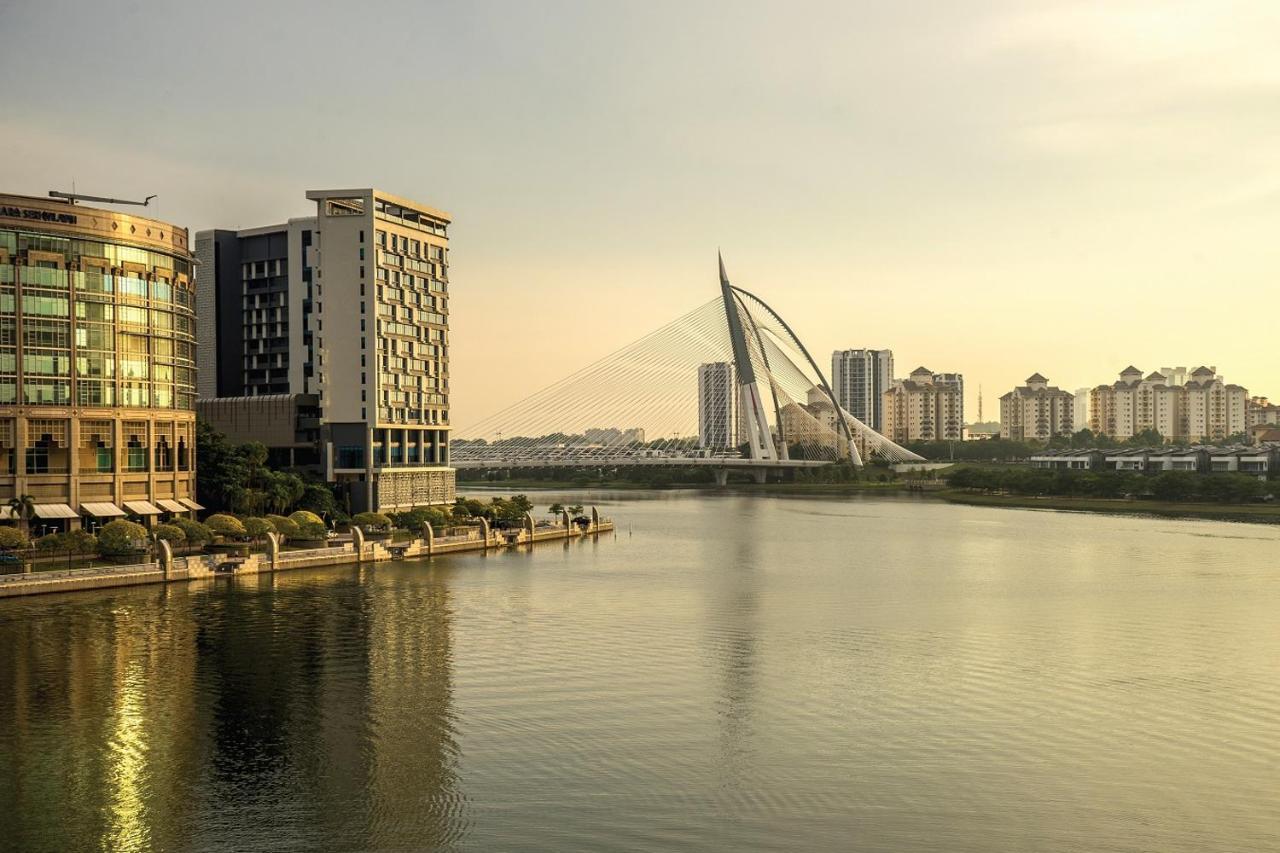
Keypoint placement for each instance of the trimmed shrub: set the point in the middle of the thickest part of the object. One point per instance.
(284, 526)
(171, 533)
(51, 542)
(371, 519)
(222, 524)
(80, 541)
(413, 519)
(122, 538)
(195, 532)
(11, 539)
(309, 525)
(258, 528)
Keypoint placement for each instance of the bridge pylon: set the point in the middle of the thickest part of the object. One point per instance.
(752, 418)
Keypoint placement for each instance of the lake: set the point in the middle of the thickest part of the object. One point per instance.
(724, 673)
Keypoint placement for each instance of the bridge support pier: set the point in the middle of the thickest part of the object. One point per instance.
(722, 477)
(760, 475)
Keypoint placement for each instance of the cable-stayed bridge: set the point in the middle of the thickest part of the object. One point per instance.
(727, 386)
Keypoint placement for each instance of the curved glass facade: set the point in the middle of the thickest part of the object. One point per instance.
(97, 355)
(94, 334)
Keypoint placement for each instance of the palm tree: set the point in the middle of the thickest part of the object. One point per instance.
(23, 507)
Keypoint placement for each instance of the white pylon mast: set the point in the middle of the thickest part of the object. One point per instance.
(752, 416)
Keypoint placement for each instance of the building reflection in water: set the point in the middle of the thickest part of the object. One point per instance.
(306, 706)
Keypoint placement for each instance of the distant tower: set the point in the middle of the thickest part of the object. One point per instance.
(980, 405)
(859, 378)
(717, 406)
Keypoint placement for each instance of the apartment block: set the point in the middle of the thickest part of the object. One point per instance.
(1182, 406)
(920, 408)
(1036, 411)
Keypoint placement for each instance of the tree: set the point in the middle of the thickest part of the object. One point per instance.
(1175, 485)
(23, 508)
(50, 543)
(556, 508)
(284, 490)
(284, 526)
(317, 498)
(195, 532)
(468, 508)
(575, 510)
(222, 468)
(309, 525)
(13, 539)
(122, 538)
(1146, 438)
(225, 525)
(171, 533)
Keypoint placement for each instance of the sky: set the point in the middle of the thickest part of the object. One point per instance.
(993, 188)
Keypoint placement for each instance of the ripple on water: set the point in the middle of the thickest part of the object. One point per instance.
(738, 673)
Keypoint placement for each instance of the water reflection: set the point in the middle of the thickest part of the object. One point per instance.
(732, 635)
(150, 717)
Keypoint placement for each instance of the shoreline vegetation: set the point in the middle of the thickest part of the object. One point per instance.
(1255, 513)
(1252, 513)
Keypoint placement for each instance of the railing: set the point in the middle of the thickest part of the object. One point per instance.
(28, 577)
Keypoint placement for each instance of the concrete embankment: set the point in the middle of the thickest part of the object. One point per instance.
(169, 569)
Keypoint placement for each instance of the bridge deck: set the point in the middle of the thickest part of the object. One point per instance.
(643, 462)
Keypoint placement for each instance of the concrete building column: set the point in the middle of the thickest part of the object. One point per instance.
(73, 462)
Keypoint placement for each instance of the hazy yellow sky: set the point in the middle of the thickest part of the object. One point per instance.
(995, 188)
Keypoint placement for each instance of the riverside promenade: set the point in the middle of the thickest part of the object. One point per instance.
(168, 568)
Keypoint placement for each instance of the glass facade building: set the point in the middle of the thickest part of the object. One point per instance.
(97, 363)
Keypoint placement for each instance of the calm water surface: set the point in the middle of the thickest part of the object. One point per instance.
(727, 673)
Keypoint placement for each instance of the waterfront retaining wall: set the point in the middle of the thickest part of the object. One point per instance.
(195, 567)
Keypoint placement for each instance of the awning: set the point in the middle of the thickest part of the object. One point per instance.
(190, 504)
(55, 511)
(102, 510)
(172, 506)
(7, 514)
(142, 508)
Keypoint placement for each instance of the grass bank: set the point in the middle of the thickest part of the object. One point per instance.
(1252, 513)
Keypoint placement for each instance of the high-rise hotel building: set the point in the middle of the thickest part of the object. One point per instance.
(340, 320)
(97, 363)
